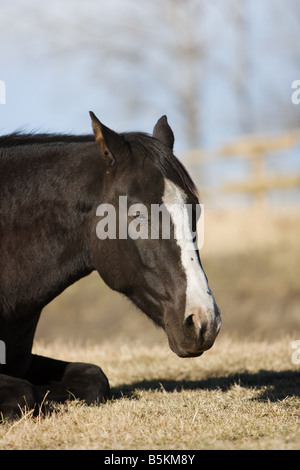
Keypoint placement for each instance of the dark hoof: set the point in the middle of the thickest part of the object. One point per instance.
(86, 382)
(16, 396)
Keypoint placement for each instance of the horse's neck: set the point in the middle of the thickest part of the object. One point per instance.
(46, 242)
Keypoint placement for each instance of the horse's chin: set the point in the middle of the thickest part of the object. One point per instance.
(183, 349)
(184, 353)
(187, 354)
(185, 345)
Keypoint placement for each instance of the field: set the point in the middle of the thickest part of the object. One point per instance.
(242, 394)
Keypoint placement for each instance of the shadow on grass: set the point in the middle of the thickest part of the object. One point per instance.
(275, 386)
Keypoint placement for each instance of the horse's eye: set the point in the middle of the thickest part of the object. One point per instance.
(140, 217)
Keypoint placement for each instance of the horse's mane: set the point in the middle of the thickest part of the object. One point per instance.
(18, 138)
(161, 156)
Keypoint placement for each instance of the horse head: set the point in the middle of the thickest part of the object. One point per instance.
(142, 241)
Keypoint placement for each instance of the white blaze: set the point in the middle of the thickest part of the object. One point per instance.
(198, 294)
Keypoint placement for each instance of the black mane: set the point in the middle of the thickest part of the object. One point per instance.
(17, 139)
(161, 156)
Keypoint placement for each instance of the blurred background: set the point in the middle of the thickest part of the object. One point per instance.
(223, 73)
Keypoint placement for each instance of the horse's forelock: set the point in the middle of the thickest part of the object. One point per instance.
(164, 160)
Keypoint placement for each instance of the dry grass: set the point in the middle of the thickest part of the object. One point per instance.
(239, 395)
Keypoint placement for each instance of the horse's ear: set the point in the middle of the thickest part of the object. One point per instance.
(109, 141)
(163, 132)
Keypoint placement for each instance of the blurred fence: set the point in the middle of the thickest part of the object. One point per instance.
(255, 148)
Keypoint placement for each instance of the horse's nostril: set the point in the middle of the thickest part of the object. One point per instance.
(189, 321)
(194, 320)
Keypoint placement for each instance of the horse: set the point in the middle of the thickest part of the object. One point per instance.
(51, 187)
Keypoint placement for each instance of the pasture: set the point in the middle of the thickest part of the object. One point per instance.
(241, 394)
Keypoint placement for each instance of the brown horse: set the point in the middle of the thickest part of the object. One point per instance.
(54, 189)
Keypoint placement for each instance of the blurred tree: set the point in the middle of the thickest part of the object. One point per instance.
(172, 56)
(242, 71)
(187, 47)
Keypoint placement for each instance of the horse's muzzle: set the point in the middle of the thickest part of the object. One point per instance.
(196, 334)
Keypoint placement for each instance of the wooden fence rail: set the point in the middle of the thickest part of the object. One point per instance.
(254, 148)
